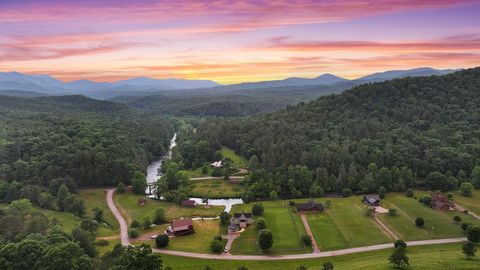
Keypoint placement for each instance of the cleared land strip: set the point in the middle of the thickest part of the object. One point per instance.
(385, 228)
(126, 242)
(316, 249)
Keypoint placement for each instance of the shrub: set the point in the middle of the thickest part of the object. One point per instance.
(101, 242)
(369, 211)
(465, 226)
(133, 233)
(121, 187)
(426, 200)
(409, 193)
(392, 212)
(419, 222)
(265, 239)
(257, 209)
(162, 240)
(261, 224)
(291, 203)
(159, 216)
(307, 240)
(147, 223)
(399, 243)
(467, 189)
(473, 234)
(327, 204)
(216, 246)
(135, 224)
(327, 266)
(457, 219)
(225, 218)
(381, 192)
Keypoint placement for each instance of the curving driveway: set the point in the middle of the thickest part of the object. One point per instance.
(126, 241)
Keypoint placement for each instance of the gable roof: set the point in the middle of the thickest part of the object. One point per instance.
(189, 203)
(245, 215)
(310, 205)
(182, 224)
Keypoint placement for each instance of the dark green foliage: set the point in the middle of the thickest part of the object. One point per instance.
(307, 240)
(457, 219)
(469, 249)
(465, 226)
(121, 187)
(133, 233)
(265, 239)
(98, 214)
(409, 193)
(216, 246)
(85, 240)
(467, 189)
(139, 258)
(473, 234)
(162, 240)
(381, 192)
(159, 216)
(89, 225)
(399, 257)
(426, 125)
(135, 224)
(399, 243)
(301, 267)
(257, 209)
(139, 183)
(147, 223)
(392, 212)
(426, 200)
(225, 218)
(327, 266)
(93, 142)
(261, 224)
(419, 222)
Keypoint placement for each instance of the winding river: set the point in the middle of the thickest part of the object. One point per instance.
(154, 173)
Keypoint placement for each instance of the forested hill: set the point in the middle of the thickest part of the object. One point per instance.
(48, 140)
(422, 124)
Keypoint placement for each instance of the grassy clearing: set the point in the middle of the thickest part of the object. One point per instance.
(285, 226)
(101, 250)
(433, 257)
(198, 242)
(97, 198)
(216, 188)
(68, 221)
(131, 210)
(194, 173)
(238, 161)
(345, 224)
(325, 232)
(438, 224)
(470, 203)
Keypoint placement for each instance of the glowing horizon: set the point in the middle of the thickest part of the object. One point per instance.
(235, 41)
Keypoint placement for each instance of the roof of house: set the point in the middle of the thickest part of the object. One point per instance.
(239, 215)
(217, 164)
(440, 197)
(310, 205)
(372, 198)
(182, 224)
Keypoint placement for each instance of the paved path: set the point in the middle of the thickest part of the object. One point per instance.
(460, 208)
(384, 227)
(123, 224)
(230, 238)
(126, 242)
(303, 217)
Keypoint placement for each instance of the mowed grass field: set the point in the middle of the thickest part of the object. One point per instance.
(97, 198)
(199, 242)
(286, 227)
(470, 203)
(434, 257)
(438, 224)
(130, 209)
(215, 188)
(238, 161)
(345, 225)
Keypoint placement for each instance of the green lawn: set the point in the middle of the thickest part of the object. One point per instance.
(285, 226)
(470, 203)
(97, 198)
(435, 257)
(127, 203)
(194, 173)
(101, 250)
(327, 235)
(238, 161)
(205, 231)
(216, 188)
(68, 221)
(408, 209)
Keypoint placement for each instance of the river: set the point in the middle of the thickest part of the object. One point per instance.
(154, 173)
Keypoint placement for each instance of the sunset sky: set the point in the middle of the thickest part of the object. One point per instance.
(235, 41)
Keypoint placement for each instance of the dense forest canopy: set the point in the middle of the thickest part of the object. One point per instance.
(93, 142)
(422, 131)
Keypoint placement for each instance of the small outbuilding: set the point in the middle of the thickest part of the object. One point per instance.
(181, 227)
(142, 201)
(309, 206)
(372, 200)
(217, 164)
(441, 202)
(189, 203)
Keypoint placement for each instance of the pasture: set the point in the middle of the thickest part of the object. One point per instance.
(215, 188)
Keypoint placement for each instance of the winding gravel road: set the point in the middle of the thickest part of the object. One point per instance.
(321, 254)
